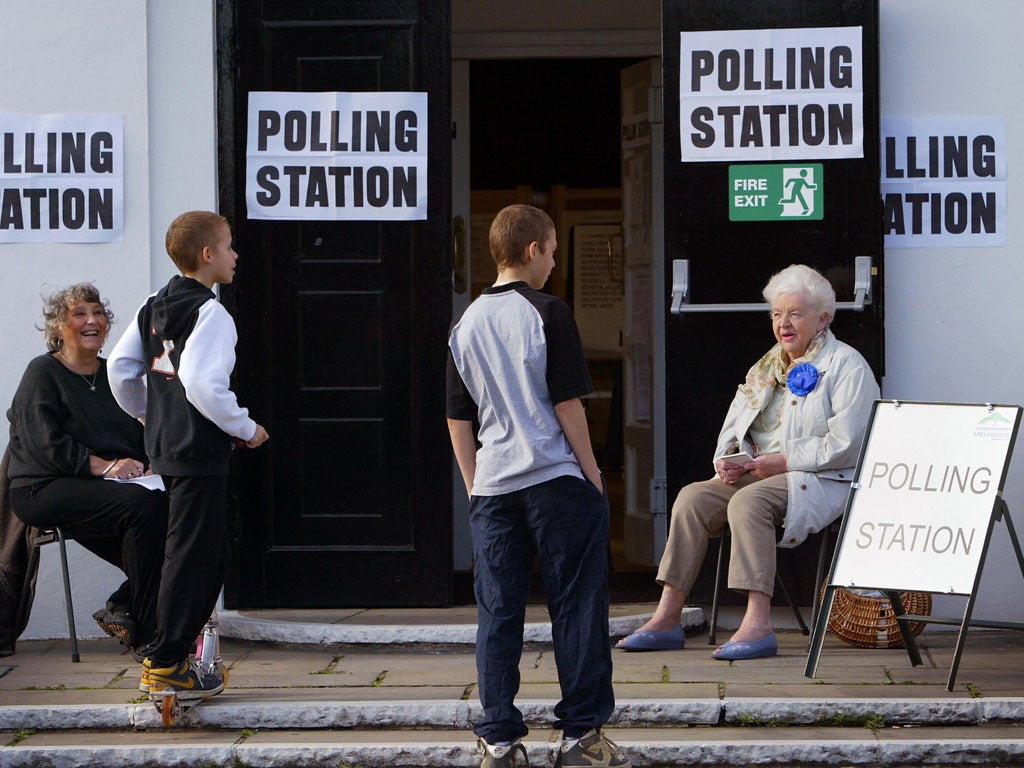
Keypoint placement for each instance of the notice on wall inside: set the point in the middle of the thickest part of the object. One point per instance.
(598, 282)
(944, 182)
(926, 486)
(62, 178)
(336, 156)
(771, 94)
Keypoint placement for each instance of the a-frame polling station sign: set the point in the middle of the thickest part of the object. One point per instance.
(921, 510)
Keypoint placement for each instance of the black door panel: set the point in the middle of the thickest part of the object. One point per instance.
(707, 355)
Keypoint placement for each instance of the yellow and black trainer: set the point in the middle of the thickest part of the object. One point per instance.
(186, 681)
(147, 667)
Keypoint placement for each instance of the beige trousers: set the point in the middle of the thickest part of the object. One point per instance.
(753, 508)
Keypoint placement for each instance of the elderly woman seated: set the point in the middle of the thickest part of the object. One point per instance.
(801, 415)
(67, 436)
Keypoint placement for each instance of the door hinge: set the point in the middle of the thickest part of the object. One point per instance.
(659, 497)
(655, 105)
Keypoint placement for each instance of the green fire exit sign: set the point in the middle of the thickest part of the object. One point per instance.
(776, 192)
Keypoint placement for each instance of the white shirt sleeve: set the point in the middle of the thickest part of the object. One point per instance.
(126, 371)
(204, 369)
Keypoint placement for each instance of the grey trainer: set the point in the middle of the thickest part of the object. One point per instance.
(503, 757)
(593, 750)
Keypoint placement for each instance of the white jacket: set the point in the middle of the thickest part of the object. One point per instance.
(821, 436)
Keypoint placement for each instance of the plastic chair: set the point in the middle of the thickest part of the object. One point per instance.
(823, 552)
(48, 536)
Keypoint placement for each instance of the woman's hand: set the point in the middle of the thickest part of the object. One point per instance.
(768, 465)
(122, 469)
(728, 472)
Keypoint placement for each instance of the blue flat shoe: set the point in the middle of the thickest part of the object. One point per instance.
(645, 640)
(764, 648)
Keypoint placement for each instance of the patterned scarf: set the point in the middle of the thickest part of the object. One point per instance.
(773, 369)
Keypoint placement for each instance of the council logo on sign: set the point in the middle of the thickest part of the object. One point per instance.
(995, 426)
(776, 192)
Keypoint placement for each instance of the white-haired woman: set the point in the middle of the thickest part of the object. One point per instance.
(801, 414)
(67, 435)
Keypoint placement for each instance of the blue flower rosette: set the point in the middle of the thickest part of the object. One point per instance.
(802, 379)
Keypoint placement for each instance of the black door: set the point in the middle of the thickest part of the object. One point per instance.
(730, 260)
(342, 328)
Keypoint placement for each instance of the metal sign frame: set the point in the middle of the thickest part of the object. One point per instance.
(1000, 512)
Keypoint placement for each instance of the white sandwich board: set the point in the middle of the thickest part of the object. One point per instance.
(922, 506)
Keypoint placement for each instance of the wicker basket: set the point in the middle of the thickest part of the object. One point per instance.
(867, 620)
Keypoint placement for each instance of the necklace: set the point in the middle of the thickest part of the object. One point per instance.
(67, 364)
(778, 421)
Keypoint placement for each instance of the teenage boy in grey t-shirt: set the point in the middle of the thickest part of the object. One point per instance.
(516, 365)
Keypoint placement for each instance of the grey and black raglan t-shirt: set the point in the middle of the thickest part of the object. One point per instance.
(515, 354)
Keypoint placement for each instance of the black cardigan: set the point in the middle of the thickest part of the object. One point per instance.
(57, 421)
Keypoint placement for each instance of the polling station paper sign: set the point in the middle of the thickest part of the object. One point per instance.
(336, 156)
(771, 94)
(944, 182)
(62, 178)
(924, 495)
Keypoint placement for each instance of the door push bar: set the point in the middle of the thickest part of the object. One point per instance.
(681, 291)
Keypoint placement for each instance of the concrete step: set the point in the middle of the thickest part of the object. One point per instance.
(452, 626)
(238, 709)
(646, 747)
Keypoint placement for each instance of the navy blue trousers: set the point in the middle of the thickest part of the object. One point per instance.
(564, 523)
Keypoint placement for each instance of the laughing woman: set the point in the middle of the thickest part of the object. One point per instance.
(801, 415)
(68, 435)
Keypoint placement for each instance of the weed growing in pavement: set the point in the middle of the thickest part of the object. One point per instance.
(245, 733)
(664, 674)
(874, 722)
(380, 680)
(838, 720)
(20, 736)
(754, 721)
(973, 691)
(329, 669)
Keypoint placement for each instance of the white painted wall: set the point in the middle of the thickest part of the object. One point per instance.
(952, 315)
(153, 63)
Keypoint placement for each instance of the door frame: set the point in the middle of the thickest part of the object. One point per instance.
(558, 44)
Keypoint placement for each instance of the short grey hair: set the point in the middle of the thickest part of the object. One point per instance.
(799, 278)
(57, 304)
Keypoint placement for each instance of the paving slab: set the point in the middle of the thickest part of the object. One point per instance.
(57, 680)
(366, 694)
(68, 697)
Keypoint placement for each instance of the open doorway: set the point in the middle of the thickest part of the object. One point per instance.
(548, 132)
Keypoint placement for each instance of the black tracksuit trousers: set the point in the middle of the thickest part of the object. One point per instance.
(195, 558)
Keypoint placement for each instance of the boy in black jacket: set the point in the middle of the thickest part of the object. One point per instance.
(172, 369)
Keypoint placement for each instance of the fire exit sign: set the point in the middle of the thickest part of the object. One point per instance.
(776, 192)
